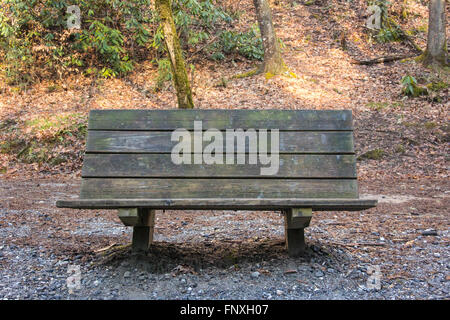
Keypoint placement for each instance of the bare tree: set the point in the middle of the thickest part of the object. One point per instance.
(177, 63)
(436, 52)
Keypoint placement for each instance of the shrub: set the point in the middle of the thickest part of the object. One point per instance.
(411, 88)
(247, 44)
(36, 43)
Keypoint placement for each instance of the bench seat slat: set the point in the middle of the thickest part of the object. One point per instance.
(160, 142)
(146, 188)
(160, 165)
(221, 204)
(220, 119)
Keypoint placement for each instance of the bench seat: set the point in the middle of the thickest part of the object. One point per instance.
(221, 204)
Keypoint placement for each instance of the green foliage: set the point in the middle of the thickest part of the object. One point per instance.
(411, 88)
(196, 18)
(36, 30)
(196, 22)
(36, 43)
(108, 43)
(409, 84)
(18, 61)
(247, 44)
(389, 34)
(164, 73)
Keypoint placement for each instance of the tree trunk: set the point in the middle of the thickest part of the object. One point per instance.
(273, 62)
(178, 66)
(437, 42)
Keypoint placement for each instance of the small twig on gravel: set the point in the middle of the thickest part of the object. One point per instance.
(378, 244)
(105, 248)
(394, 277)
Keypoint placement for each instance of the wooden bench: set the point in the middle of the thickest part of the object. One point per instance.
(128, 166)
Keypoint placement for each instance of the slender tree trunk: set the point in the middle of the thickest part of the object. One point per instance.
(178, 66)
(273, 62)
(437, 41)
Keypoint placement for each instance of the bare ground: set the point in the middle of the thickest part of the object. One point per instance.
(226, 254)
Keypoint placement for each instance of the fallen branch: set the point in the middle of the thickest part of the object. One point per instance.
(382, 59)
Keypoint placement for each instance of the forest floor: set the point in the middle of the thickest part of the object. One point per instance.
(401, 142)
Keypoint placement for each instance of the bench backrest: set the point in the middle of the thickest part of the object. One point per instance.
(128, 155)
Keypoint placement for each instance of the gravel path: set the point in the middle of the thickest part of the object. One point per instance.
(224, 254)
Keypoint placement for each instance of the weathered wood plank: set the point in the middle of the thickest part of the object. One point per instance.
(220, 119)
(221, 204)
(128, 188)
(160, 142)
(161, 165)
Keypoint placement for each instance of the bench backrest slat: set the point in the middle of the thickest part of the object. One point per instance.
(160, 166)
(128, 156)
(159, 142)
(289, 120)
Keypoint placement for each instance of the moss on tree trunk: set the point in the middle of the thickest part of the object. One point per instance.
(178, 66)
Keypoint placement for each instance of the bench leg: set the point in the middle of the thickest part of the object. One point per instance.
(143, 221)
(142, 238)
(295, 222)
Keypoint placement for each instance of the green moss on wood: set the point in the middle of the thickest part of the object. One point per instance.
(375, 154)
(437, 86)
(248, 73)
(400, 148)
